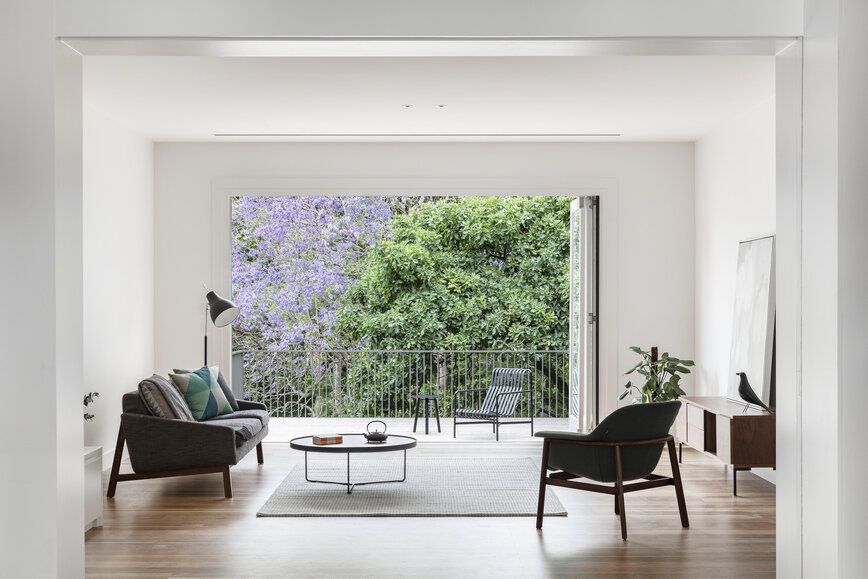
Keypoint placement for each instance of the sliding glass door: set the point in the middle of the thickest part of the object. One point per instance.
(584, 307)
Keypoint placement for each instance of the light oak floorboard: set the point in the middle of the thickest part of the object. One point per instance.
(183, 527)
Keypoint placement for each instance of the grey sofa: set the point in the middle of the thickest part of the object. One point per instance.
(166, 447)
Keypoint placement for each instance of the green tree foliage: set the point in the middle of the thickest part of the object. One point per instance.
(466, 273)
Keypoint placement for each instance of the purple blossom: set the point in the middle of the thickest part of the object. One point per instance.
(292, 260)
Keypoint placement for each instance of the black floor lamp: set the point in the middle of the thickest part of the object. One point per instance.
(222, 313)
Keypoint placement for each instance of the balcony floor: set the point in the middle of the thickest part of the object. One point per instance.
(285, 429)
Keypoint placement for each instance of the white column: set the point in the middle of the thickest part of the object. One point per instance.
(69, 302)
(853, 286)
(40, 202)
(834, 314)
(788, 275)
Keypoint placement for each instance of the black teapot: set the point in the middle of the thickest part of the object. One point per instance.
(376, 435)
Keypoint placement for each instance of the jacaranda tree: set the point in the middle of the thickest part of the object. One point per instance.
(293, 259)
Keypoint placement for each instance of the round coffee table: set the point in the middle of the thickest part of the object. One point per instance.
(354, 443)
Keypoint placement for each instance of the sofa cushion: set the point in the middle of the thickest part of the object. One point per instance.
(221, 380)
(245, 428)
(260, 415)
(162, 399)
(202, 392)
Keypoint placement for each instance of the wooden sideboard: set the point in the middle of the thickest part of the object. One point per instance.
(720, 427)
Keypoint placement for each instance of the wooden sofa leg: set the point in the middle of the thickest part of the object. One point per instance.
(227, 483)
(259, 458)
(541, 502)
(116, 463)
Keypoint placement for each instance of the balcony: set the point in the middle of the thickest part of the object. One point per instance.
(338, 388)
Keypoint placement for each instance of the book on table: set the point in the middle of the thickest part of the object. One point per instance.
(327, 439)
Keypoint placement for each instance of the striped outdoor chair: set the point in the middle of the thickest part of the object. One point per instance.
(501, 400)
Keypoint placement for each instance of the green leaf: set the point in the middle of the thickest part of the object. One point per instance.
(633, 369)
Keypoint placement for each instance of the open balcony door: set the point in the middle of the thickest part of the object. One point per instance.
(584, 307)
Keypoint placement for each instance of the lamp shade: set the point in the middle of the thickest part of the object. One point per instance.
(223, 312)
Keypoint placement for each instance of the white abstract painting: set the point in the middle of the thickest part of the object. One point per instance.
(753, 324)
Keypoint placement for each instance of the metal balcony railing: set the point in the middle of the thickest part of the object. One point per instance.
(381, 383)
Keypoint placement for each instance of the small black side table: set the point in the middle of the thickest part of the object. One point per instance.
(427, 398)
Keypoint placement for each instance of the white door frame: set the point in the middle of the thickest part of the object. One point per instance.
(223, 190)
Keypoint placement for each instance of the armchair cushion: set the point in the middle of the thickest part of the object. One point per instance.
(221, 381)
(202, 392)
(162, 399)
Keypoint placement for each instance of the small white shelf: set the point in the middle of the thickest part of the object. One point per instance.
(93, 491)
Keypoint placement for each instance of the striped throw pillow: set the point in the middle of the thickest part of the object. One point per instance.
(202, 392)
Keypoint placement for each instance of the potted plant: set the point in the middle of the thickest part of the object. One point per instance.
(89, 399)
(661, 377)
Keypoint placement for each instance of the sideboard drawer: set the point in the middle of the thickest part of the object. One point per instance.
(695, 437)
(695, 417)
(681, 424)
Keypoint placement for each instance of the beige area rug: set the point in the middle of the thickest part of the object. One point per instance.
(434, 487)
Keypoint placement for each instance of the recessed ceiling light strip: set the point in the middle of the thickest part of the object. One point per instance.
(417, 135)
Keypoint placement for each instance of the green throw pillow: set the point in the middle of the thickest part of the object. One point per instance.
(202, 392)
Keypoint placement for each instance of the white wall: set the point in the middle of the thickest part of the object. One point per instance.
(652, 292)
(118, 269)
(735, 201)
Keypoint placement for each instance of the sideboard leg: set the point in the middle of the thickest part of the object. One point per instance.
(735, 480)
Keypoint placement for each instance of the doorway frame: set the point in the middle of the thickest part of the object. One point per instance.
(788, 141)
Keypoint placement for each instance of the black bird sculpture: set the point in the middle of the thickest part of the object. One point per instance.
(747, 394)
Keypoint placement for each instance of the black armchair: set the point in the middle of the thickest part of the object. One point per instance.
(625, 446)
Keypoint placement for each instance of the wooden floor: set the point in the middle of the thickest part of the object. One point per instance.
(184, 527)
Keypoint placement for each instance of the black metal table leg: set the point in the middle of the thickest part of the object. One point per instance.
(680, 452)
(427, 413)
(437, 414)
(351, 485)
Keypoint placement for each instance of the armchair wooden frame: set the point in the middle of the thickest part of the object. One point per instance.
(565, 479)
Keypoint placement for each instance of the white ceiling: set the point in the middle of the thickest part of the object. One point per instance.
(639, 97)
